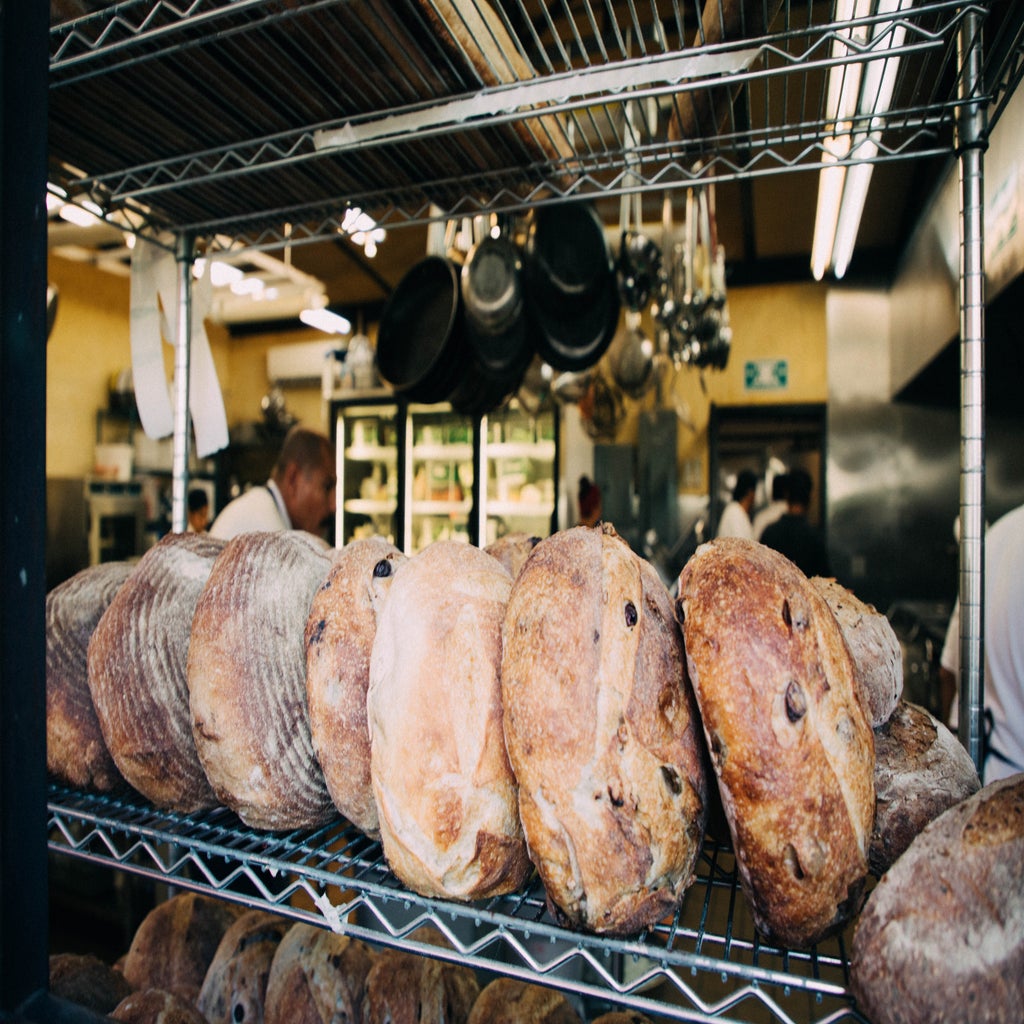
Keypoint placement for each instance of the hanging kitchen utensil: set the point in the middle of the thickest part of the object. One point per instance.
(569, 387)
(601, 409)
(631, 358)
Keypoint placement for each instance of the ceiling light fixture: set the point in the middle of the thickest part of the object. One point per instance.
(324, 320)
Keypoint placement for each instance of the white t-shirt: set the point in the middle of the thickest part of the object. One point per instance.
(735, 522)
(1003, 646)
(259, 508)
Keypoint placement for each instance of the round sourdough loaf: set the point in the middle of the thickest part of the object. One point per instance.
(340, 629)
(512, 550)
(602, 732)
(155, 1006)
(76, 752)
(86, 980)
(235, 986)
(173, 946)
(511, 1001)
(921, 769)
(445, 794)
(137, 658)
(247, 679)
(874, 647)
(788, 736)
(941, 937)
(317, 975)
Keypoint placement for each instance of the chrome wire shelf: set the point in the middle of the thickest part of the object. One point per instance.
(705, 964)
(217, 118)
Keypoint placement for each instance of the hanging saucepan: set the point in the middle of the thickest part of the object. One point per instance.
(420, 341)
(572, 296)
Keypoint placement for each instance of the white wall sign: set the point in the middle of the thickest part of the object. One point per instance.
(766, 374)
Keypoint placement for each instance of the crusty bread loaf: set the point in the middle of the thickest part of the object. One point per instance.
(921, 769)
(76, 752)
(339, 636)
(317, 975)
(155, 1006)
(173, 946)
(86, 980)
(941, 936)
(511, 1001)
(445, 793)
(788, 737)
(601, 732)
(247, 679)
(512, 550)
(137, 658)
(622, 1017)
(235, 986)
(874, 647)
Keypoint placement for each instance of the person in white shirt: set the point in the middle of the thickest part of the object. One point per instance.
(735, 521)
(298, 496)
(1003, 647)
(776, 508)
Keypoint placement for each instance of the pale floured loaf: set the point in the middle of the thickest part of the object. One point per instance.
(445, 794)
(602, 732)
(941, 937)
(76, 752)
(788, 736)
(339, 636)
(137, 658)
(874, 647)
(512, 1001)
(247, 679)
(317, 975)
(921, 769)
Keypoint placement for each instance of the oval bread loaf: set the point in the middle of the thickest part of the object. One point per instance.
(247, 679)
(155, 1006)
(921, 769)
(512, 1001)
(76, 752)
(941, 936)
(602, 732)
(445, 794)
(86, 980)
(339, 639)
(137, 659)
(788, 737)
(512, 550)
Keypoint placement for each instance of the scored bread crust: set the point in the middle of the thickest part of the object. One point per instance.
(247, 679)
(602, 732)
(788, 737)
(445, 794)
(76, 752)
(339, 636)
(137, 658)
(513, 1001)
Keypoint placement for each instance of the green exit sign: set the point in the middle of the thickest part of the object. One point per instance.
(765, 374)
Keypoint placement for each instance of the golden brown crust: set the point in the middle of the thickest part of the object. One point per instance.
(155, 1006)
(137, 658)
(789, 739)
(76, 752)
(445, 793)
(88, 981)
(512, 550)
(511, 1001)
(602, 732)
(339, 638)
(942, 935)
(247, 680)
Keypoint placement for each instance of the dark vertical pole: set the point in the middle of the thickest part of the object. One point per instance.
(24, 56)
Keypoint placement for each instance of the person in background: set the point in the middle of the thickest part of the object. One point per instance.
(735, 521)
(590, 504)
(793, 535)
(1003, 713)
(774, 510)
(198, 510)
(298, 496)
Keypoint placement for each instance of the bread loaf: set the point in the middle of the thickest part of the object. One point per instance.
(137, 658)
(155, 1006)
(942, 935)
(874, 647)
(247, 679)
(622, 1017)
(76, 752)
(602, 732)
(789, 738)
(235, 986)
(511, 1001)
(86, 980)
(512, 550)
(317, 975)
(445, 794)
(921, 769)
(173, 946)
(339, 636)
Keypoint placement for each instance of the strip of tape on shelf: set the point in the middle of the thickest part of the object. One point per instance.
(151, 265)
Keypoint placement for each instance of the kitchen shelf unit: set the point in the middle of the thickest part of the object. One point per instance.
(163, 117)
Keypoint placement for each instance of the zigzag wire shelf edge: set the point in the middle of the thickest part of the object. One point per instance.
(346, 884)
